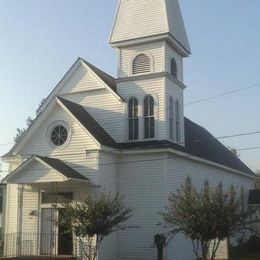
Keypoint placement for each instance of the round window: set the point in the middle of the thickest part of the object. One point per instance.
(59, 135)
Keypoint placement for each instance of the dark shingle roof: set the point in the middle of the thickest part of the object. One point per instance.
(63, 168)
(254, 197)
(89, 123)
(198, 141)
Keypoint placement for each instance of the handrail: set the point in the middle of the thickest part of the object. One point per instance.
(40, 245)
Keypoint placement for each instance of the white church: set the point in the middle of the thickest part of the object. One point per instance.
(127, 134)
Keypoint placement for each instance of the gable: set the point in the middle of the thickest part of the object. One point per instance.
(36, 173)
(78, 138)
(83, 76)
(83, 79)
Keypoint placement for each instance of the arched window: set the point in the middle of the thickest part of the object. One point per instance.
(188, 183)
(171, 118)
(174, 69)
(178, 124)
(149, 123)
(133, 121)
(141, 64)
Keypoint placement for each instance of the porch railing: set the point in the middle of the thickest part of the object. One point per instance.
(40, 245)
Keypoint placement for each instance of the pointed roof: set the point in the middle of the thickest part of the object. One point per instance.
(136, 19)
(59, 166)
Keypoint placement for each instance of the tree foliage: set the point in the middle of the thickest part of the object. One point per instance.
(21, 131)
(92, 219)
(206, 217)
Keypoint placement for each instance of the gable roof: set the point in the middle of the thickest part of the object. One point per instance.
(55, 164)
(86, 120)
(108, 80)
(198, 141)
(62, 167)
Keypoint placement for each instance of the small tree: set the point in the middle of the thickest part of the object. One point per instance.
(91, 220)
(206, 217)
(21, 131)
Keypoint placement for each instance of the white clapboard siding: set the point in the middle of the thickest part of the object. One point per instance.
(108, 181)
(37, 173)
(174, 91)
(178, 170)
(142, 184)
(169, 54)
(107, 110)
(30, 203)
(83, 79)
(140, 89)
(11, 208)
(155, 51)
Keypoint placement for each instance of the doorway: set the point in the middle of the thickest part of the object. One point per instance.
(55, 239)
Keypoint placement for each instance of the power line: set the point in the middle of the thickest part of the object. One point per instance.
(221, 95)
(205, 139)
(249, 148)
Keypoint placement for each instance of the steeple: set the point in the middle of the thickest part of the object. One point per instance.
(140, 21)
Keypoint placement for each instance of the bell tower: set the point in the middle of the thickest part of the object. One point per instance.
(151, 42)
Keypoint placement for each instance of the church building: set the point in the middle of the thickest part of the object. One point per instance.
(96, 133)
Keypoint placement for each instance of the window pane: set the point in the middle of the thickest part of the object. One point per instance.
(136, 129)
(151, 127)
(146, 128)
(130, 108)
(146, 106)
(131, 136)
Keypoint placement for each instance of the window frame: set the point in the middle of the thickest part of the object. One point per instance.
(133, 118)
(177, 121)
(149, 117)
(171, 118)
(174, 72)
(149, 58)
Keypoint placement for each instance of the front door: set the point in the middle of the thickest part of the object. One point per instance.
(48, 238)
(65, 238)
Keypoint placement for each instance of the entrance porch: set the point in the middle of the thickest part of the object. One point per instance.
(40, 232)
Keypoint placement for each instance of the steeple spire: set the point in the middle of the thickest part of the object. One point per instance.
(140, 20)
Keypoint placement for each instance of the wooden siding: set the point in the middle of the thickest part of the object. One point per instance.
(142, 184)
(74, 153)
(177, 171)
(37, 173)
(105, 108)
(154, 50)
(169, 54)
(174, 91)
(83, 79)
(140, 89)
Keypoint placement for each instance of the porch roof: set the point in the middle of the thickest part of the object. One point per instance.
(62, 170)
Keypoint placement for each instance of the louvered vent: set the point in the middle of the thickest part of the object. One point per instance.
(141, 64)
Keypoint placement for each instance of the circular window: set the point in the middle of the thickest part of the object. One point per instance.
(59, 135)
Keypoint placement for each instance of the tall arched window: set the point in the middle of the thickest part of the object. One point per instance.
(171, 118)
(174, 70)
(178, 124)
(149, 124)
(133, 121)
(141, 64)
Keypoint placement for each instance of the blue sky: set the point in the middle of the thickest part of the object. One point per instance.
(40, 40)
